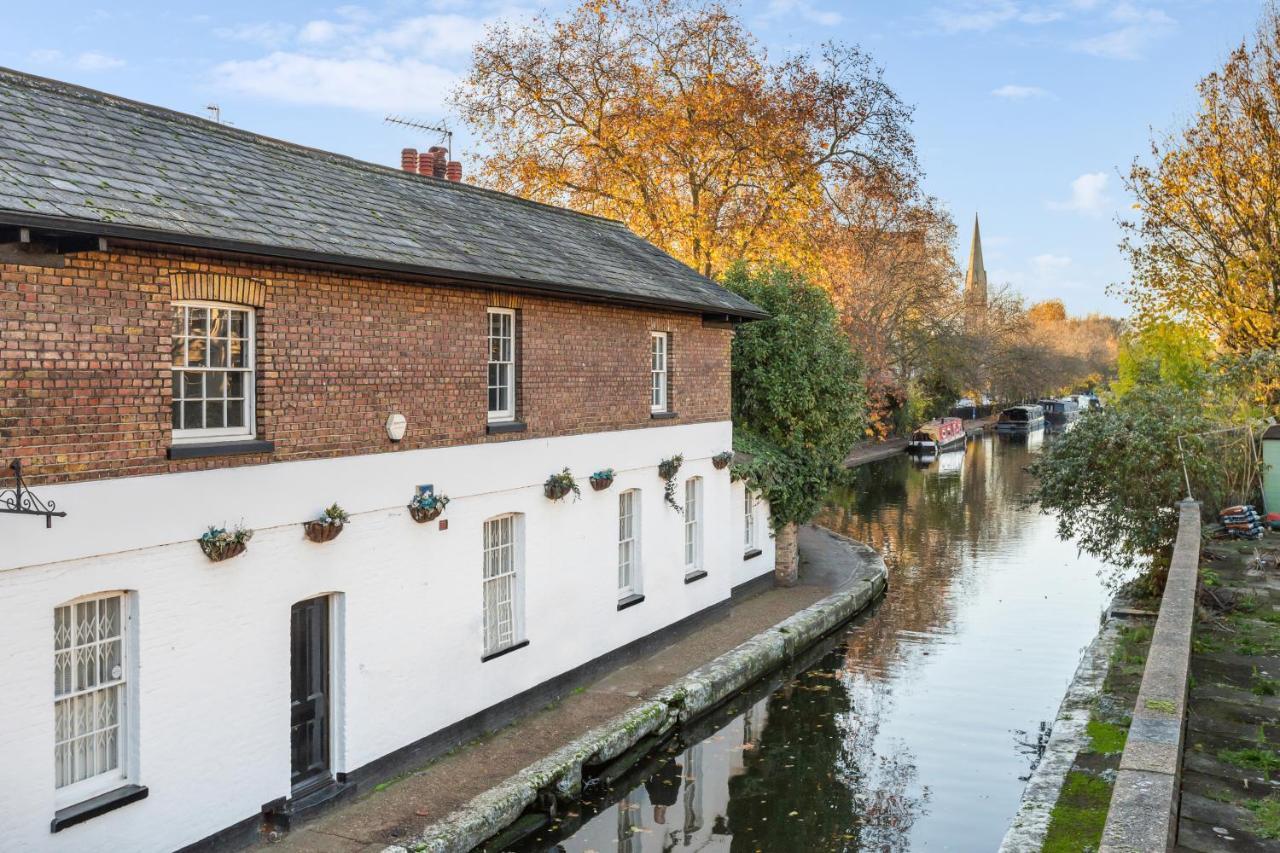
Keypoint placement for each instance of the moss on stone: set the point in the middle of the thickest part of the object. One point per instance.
(1077, 819)
(1106, 738)
(1266, 817)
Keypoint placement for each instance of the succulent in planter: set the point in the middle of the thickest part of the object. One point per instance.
(427, 506)
(328, 525)
(667, 470)
(602, 479)
(722, 460)
(220, 544)
(558, 486)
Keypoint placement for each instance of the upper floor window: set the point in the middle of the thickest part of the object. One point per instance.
(503, 595)
(90, 673)
(213, 381)
(628, 543)
(692, 524)
(749, 522)
(502, 364)
(658, 346)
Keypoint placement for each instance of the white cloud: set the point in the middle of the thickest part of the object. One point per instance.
(90, 60)
(1048, 265)
(359, 60)
(785, 10)
(1139, 28)
(377, 85)
(269, 34)
(1019, 93)
(94, 61)
(1088, 195)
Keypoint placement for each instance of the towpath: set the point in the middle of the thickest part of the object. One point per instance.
(383, 817)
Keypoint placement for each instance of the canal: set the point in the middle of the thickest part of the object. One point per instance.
(914, 728)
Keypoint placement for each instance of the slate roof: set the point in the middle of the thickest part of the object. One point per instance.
(77, 159)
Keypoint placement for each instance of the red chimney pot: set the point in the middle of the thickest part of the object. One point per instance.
(455, 170)
(426, 163)
(409, 159)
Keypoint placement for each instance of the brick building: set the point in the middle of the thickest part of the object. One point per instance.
(203, 327)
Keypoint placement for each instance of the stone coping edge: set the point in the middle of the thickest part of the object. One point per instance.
(1143, 816)
(1067, 739)
(559, 774)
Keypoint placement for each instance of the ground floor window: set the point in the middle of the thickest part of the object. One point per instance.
(692, 524)
(628, 543)
(749, 522)
(502, 563)
(89, 681)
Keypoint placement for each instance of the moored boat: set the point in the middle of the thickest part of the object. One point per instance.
(1060, 410)
(937, 436)
(1024, 418)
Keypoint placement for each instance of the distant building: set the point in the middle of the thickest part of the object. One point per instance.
(975, 280)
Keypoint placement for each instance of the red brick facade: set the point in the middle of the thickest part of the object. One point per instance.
(85, 370)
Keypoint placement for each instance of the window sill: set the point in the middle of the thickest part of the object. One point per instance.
(219, 448)
(663, 416)
(752, 554)
(695, 576)
(630, 601)
(499, 427)
(94, 806)
(508, 650)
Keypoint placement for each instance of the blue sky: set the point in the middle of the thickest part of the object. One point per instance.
(1026, 112)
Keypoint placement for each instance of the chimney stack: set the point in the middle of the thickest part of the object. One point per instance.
(454, 170)
(409, 159)
(438, 165)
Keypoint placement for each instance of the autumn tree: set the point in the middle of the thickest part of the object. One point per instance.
(1206, 245)
(669, 116)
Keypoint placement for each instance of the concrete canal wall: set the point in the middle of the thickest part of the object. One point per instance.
(559, 776)
(1144, 805)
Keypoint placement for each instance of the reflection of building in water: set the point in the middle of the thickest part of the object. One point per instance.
(695, 781)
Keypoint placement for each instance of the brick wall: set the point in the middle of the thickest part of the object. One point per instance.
(84, 364)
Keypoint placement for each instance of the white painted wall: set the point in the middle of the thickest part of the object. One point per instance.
(212, 671)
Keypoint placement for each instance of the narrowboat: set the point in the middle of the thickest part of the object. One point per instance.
(936, 436)
(1025, 418)
(1060, 410)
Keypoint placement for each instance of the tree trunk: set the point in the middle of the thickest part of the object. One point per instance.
(786, 566)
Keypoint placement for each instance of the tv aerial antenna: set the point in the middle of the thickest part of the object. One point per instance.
(446, 135)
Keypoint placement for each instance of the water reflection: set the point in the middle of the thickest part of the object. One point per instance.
(908, 731)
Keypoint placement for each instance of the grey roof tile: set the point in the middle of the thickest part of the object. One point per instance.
(80, 155)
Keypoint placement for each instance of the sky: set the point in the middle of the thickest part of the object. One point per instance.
(1027, 114)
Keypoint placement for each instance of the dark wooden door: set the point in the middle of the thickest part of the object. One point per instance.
(309, 699)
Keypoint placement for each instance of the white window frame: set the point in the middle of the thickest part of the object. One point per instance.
(250, 371)
(692, 525)
(507, 413)
(123, 686)
(512, 573)
(629, 577)
(659, 368)
(750, 541)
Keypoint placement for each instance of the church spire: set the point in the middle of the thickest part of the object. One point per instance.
(975, 280)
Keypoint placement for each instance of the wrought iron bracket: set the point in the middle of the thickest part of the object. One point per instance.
(20, 501)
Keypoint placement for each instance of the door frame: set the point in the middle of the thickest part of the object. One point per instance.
(335, 612)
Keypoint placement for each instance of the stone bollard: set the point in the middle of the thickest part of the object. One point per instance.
(786, 566)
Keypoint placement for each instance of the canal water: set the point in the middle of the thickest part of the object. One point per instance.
(913, 729)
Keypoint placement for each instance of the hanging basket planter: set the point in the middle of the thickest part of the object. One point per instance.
(422, 515)
(322, 531)
(219, 544)
(602, 480)
(328, 526)
(558, 486)
(427, 507)
(722, 460)
(667, 470)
